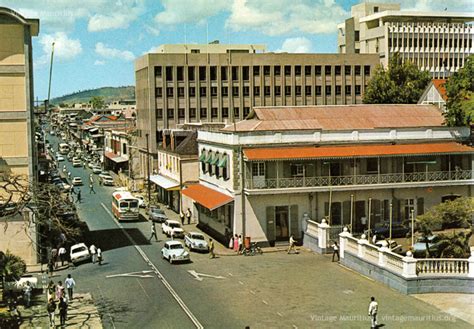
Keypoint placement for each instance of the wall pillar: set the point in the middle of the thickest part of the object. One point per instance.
(361, 244)
(409, 266)
(342, 241)
(322, 238)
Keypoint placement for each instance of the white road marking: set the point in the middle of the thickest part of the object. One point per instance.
(252, 292)
(279, 314)
(143, 289)
(198, 276)
(230, 274)
(240, 282)
(295, 327)
(265, 302)
(140, 274)
(173, 293)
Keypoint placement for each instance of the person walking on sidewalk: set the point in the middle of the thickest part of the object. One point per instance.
(93, 251)
(239, 241)
(62, 306)
(188, 215)
(335, 249)
(99, 256)
(51, 308)
(62, 254)
(291, 247)
(70, 284)
(91, 188)
(78, 200)
(181, 216)
(211, 249)
(373, 309)
(27, 293)
(59, 290)
(153, 232)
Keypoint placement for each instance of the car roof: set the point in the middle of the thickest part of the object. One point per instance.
(173, 242)
(172, 221)
(198, 233)
(79, 245)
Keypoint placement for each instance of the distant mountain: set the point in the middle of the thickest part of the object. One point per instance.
(108, 93)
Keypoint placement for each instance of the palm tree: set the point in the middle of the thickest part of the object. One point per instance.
(12, 267)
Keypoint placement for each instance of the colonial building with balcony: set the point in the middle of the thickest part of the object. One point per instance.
(349, 164)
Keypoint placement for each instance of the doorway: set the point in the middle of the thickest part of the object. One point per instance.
(360, 216)
(282, 217)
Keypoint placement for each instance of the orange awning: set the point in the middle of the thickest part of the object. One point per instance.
(313, 152)
(207, 197)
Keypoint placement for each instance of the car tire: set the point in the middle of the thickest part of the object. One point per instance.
(170, 260)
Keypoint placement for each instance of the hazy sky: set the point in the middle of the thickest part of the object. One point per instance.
(98, 40)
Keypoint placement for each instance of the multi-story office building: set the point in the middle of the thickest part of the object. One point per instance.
(221, 84)
(17, 140)
(438, 42)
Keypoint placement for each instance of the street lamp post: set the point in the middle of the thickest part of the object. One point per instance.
(148, 168)
(412, 228)
(391, 218)
(370, 210)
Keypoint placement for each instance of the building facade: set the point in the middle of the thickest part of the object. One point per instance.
(352, 165)
(438, 42)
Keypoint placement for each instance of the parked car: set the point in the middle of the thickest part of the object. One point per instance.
(92, 164)
(383, 231)
(76, 181)
(157, 215)
(196, 241)
(107, 181)
(174, 251)
(96, 169)
(76, 163)
(141, 200)
(172, 228)
(59, 158)
(392, 245)
(419, 248)
(19, 285)
(79, 253)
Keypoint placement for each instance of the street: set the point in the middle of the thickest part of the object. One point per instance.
(136, 288)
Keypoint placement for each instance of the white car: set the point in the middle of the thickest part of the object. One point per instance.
(392, 245)
(107, 181)
(76, 163)
(79, 252)
(59, 158)
(141, 200)
(174, 251)
(20, 284)
(77, 181)
(196, 241)
(172, 228)
(96, 169)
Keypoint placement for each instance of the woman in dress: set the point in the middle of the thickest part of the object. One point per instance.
(59, 290)
(236, 243)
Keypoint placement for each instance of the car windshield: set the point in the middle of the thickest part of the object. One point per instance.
(79, 249)
(157, 211)
(173, 225)
(176, 246)
(197, 237)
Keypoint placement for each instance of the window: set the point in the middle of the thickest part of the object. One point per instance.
(214, 112)
(181, 91)
(328, 90)
(192, 113)
(169, 73)
(376, 9)
(308, 90)
(224, 73)
(213, 73)
(202, 91)
(170, 114)
(287, 70)
(317, 70)
(347, 70)
(180, 73)
(266, 90)
(337, 70)
(298, 90)
(225, 112)
(246, 111)
(159, 113)
(348, 90)
(192, 91)
(298, 70)
(372, 165)
(277, 91)
(327, 70)
(195, 51)
(256, 71)
(256, 91)
(258, 169)
(357, 36)
(159, 92)
(169, 92)
(266, 70)
(158, 71)
(277, 70)
(357, 89)
(246, 90)
(225, 91)
(202, 73)
(236, 112)
(288, 90)
(297, 170)
(181, 113)
(235, 73)
(191, 73)
(318, 90)
(357, 70)
(235, 91)
(338, 90)
(307, 70)
(245, 73)
(213, 91)
(367, 70)
(203, 112)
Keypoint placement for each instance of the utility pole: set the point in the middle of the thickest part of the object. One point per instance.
(50, 75)
(148, 168)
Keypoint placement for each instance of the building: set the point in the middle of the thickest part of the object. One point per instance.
(116, 150)
(180, 86)
(351, 164)
(438, 42)
(126, 108)
(435, 93)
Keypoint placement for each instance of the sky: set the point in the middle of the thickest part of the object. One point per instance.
(97, 41)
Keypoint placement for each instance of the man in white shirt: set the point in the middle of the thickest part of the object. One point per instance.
(292, 244)
(373, 308)
(70, 284)
(62, 254)
(93, 251)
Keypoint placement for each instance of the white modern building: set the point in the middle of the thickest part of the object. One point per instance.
(438, 42)
(352, 163)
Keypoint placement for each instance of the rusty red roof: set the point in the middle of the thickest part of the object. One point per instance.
(439, 84)
(208, 197)
(312, 152)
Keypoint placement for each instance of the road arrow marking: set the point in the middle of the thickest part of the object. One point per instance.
(198, 276)
(139, 274)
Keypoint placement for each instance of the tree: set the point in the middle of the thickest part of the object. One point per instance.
(400, 83)
(455, 245)
(97, 102)
(460, 92)
(12, 267)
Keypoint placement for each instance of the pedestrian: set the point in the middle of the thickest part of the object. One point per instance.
(64, 168)
(78, 200)
(211, 249)
(93, 251)
(292, 245)
(236, 243)
(373, 308)
(62, 306)
(91, 188)
(335, 252)
(27, 293)
(51, 308)
(51, 289)
(153, 232)
(59, 290)
(99, 256)
(231, 242)
(69, 174)
(374, 239)
(91, 180)
(70, 284)
(240, 244)
(51, 267)
(62, 254)
(188, 215)
(181, 216)
(54, 256)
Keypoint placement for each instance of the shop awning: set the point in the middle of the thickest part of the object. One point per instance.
(207, 197)
(164, 182)
(355, 151)
(115, 157)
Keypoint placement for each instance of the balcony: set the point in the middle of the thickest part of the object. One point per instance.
(357, 181)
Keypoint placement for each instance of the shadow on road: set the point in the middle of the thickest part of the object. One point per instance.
(115, 238)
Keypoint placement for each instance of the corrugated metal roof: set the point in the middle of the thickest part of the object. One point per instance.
(312, 152)
(208, 197)
(340, 117)
(439, 85)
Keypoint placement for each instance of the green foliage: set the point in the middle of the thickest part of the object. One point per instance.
(108, 93)
(460, 92)
(97, 102)
(401, 83)
(12, 267)
(450, 214)
(454, 245)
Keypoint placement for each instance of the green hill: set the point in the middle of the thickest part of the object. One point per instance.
(108, 93)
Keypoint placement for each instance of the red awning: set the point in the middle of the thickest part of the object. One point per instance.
(207, 197)
(313, 152)
(111, 155)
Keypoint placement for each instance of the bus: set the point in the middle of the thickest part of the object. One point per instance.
(64, 148)
(125, 206)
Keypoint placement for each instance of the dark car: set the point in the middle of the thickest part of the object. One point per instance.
(157, 215)
(398, 230)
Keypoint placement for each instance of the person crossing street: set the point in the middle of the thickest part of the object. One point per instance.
(153, 232)
(211, 249)
(91, 188)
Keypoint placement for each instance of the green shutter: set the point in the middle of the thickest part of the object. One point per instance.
(208, 158)
(223, 162)
(202, 157)
(215, 160)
